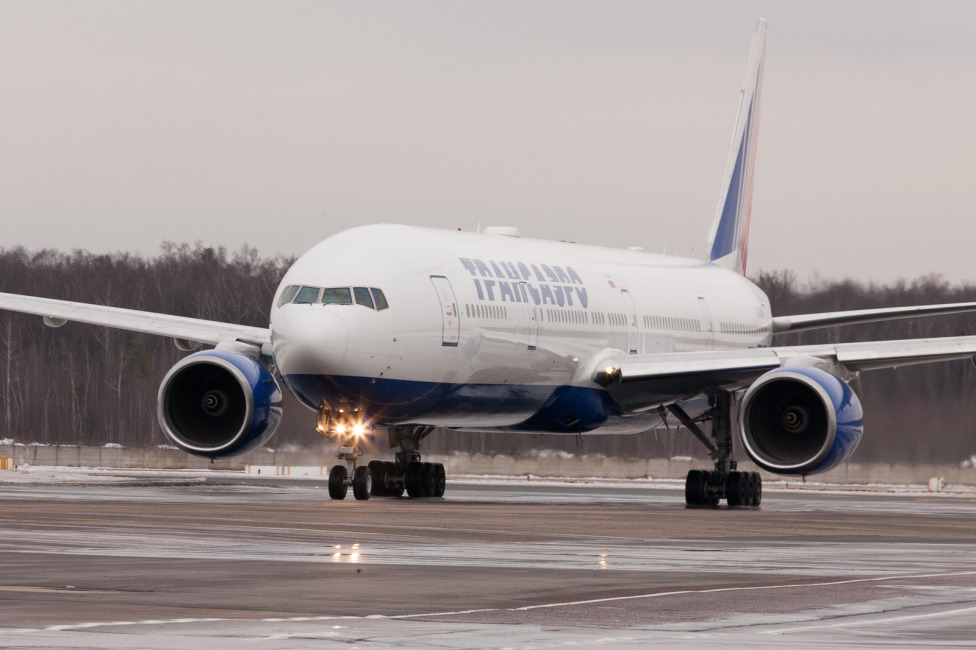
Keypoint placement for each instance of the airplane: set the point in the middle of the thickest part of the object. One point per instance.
(408, 329)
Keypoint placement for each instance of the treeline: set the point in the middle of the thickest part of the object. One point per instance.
(87, 385)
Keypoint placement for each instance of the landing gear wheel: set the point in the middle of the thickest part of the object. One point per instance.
(415, 480)
(362, 483)
(378, 469)
(695, 488)
(440, 480)
(738, 490)
(748, 488)
(755, 481)
(428, 477)
(394, 481)
(337, 483)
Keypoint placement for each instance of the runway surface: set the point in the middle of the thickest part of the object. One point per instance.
(182, 559)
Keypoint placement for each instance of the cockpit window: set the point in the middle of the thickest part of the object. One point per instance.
(337, 296)
(363, 297)
(307, 295)
(288, 294)
(380, 299)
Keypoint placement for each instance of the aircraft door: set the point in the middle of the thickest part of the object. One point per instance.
(533, 327)
(632, 334)
(450, 318)
(708, 329)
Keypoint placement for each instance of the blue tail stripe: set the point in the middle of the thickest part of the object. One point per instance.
(726, 237)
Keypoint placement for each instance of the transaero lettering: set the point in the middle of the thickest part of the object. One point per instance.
(540, 284)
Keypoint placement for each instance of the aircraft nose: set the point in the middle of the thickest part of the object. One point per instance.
(312, 339)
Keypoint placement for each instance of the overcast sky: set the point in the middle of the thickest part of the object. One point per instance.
(124, 124)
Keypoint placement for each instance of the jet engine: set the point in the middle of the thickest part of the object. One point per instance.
(219, 404)
(800, 420)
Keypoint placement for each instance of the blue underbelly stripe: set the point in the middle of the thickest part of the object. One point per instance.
(564, 409)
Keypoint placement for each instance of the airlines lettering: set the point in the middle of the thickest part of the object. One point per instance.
(540, 284)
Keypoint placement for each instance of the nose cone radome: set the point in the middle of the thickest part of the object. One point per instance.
(310, 340)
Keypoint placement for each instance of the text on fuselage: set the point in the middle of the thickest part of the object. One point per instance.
(541, 284)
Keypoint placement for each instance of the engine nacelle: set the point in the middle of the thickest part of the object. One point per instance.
(800, 420)
(219, 404)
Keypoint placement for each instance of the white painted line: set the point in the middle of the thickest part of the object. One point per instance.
(873, 621)
(683, 592)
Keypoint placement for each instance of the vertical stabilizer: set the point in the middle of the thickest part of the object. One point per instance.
(728, 242)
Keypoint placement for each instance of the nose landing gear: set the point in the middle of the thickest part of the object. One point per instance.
(348, 428)
(340, 478)
(407, 473)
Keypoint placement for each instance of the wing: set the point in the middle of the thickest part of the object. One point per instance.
(829, 319)
(643, 382)
(57, 312)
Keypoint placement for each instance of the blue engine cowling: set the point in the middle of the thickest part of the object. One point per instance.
(800, 420)
(219, 404)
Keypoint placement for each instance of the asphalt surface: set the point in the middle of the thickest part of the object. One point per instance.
(175, 560)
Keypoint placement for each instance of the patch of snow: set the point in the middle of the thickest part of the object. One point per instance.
(550, 453)
(112, 445)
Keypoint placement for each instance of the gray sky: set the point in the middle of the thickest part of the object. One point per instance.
(123, 124)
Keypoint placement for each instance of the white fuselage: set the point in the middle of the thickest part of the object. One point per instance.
(490, 331)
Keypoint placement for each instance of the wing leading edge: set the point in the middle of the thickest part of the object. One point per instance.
(783, 324)
(643, 382)
(178, 327)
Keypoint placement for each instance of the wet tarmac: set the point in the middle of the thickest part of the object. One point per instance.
(175, 560)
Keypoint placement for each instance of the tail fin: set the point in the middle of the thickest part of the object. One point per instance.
(728, 242)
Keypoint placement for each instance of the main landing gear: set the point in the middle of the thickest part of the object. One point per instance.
(708, 487)
(388, 478)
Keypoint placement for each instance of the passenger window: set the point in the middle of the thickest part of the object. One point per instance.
(307, 295)
(380, 299)
(337, 296)
(362, 297)
(288, 294)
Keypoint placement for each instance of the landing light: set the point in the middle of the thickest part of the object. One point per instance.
(340, 428)
(358, 430)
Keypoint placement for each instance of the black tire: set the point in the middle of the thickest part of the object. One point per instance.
(695, 488)
(748, 488)
(337, 483)
(394, 480)
(736, 489)
(440, 480)
(378, 469)
(756, 480)
(428, 478)
(362, 483)
(414, 480)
